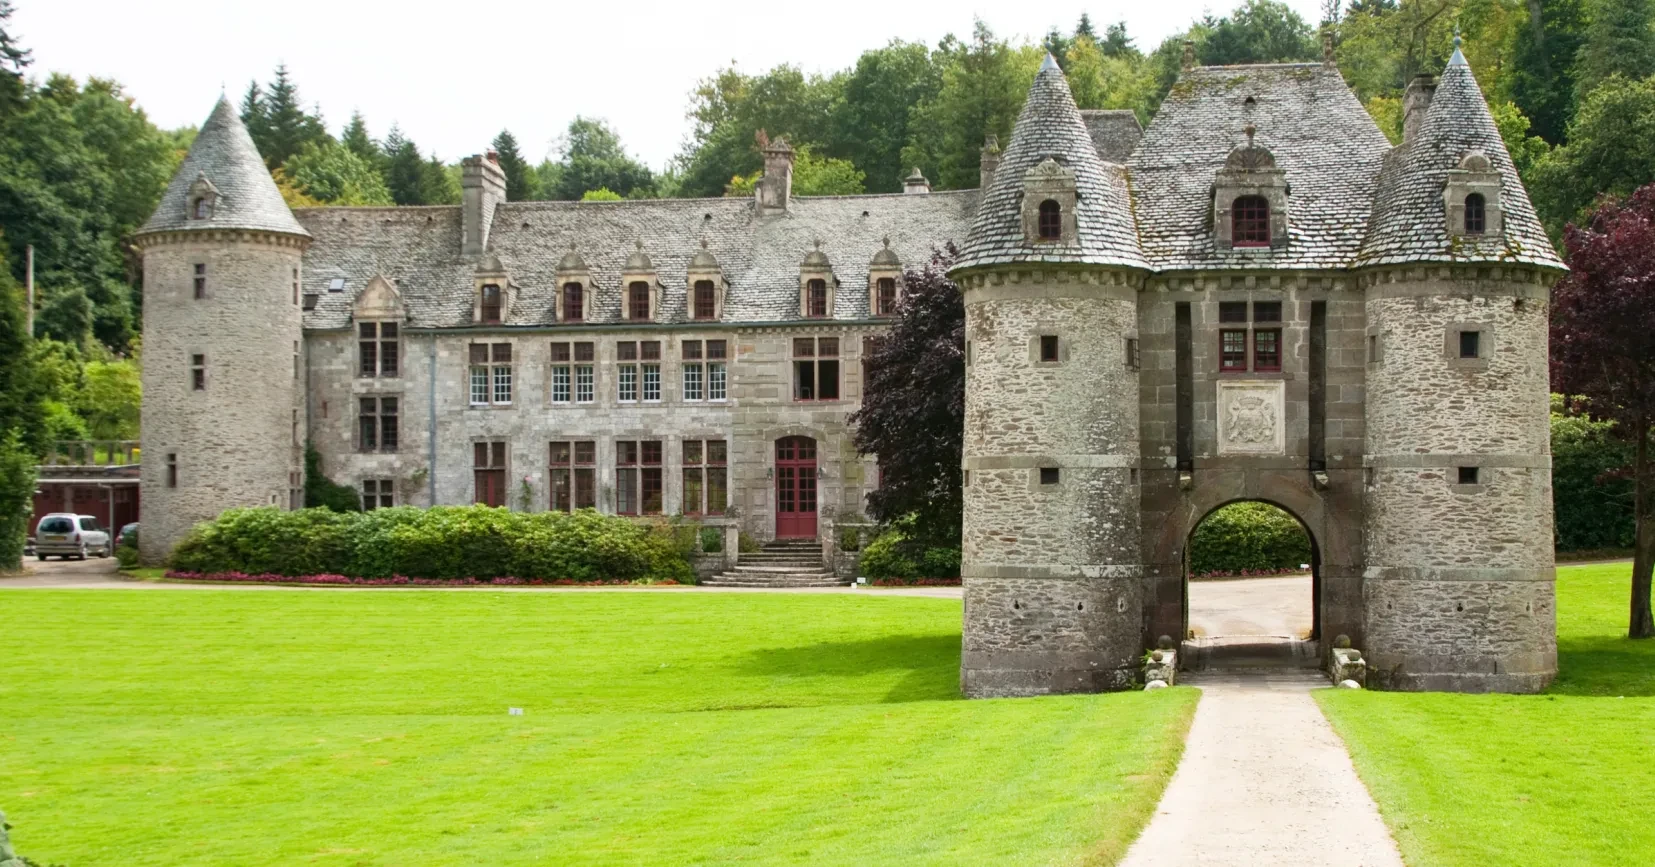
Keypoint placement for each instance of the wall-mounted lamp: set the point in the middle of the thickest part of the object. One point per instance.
(769, 472)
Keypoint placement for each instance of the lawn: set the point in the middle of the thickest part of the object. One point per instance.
(219, 727)
(1556, 779)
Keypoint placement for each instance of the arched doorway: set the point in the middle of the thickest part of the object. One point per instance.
(796, 488)
(1252, 587)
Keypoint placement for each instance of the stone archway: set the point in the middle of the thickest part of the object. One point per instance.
(1277, 618)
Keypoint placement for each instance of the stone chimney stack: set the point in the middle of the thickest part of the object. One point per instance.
(482, 187)
(776, 186)
(915, 183)
(1416, 101)
(1189, 54)
(990, 161)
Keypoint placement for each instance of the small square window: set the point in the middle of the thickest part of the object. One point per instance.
(1266, 311)
(1232, 311)
(337, 284)
(1048, 347)
(1471, 344)
(1468, 475)
(310, 301)
(1049, 475)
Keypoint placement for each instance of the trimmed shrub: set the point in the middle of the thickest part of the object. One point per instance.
(449, 543)
(712, 540)
(1248, 537)
(894, 556)
(16, 498)
(1591, 484)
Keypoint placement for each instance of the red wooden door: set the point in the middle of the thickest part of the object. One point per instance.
(796, 488)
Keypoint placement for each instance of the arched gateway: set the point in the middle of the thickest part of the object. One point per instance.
(1363, 357)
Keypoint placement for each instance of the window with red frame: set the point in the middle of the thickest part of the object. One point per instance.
(705, 482)
(1250, 222)
(1267, 349)
(705, 307)
(574, 302)
(816, 298)
(887, 296)
(1232, 349)
(1051, 220)
(638, 300)
(638, 477)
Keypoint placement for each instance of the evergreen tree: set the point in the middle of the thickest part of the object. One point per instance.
(1083, 28)
(255, 114)
(519, 177)
(1617, 42)
(593, 158)
(404, 169)
(1116, 43)
(13, 60)
(438, 185)
(355, 138)
(287, 127)
(984, 83)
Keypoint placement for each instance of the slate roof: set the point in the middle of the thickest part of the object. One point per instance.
(224, 154)
(1309, 120)
(1409, 223)
(1051, 127)
(419, 249)
(1115, 132)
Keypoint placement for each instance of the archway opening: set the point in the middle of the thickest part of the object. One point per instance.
(1252, 587)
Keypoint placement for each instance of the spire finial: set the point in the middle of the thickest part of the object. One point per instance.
(1050, 63)
(1456, 37)
(818, 243)
(1250, 130)
(887, 240)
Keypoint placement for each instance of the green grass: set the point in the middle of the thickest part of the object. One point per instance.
(1556, 779)
(367, 727)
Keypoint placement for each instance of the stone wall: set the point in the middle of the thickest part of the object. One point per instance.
(234, 441)
(434, 397)
(1053, 589)
(1459, 589)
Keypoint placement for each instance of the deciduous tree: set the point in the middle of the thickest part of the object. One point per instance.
(913, 408)
(1617, 42)
(1603, 350)
(332, 173)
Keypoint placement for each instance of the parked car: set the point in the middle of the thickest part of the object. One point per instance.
(68, 535)
(127, 536)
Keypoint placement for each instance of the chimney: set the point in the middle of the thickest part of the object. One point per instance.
(482, 187)
(991, 160)
(1189, 54)
(915, 183)
(776, 187)
(1327, 48)
(1416, 101)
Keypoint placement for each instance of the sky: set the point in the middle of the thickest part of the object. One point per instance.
(452, 75)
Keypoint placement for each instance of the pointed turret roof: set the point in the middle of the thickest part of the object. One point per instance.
(1050, 127)
(244, 196)
(1409, 221)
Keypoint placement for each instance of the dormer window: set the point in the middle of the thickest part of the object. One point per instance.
(1476, 214)
(886, 305)
(1049, 200)
(816, 303)
(637, 300)
(574, 302)
(884, 274)
(489, 304)
(201, 209)
(201, 198)
(1051, 221)
(704, 300)
(1471, 196)
(1250, 222)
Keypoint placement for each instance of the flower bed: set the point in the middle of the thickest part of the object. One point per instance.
(401, 580)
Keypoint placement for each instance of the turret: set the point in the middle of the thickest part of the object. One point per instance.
(1050, 552)
(222, 412)
(1458, 589)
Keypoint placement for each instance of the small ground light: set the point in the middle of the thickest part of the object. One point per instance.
(514, 711)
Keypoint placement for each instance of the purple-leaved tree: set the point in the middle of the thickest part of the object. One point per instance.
(1603, 351)
(913, 407)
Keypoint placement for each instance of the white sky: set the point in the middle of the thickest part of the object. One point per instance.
(453, 74)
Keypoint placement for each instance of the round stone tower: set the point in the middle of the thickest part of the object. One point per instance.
(1458, 590)
(1051, 272)
(222, 409)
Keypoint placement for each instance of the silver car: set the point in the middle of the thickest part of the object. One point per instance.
(69, 535)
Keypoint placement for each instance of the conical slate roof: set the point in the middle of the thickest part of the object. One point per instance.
(1050, 126)
(1409, 222)
(246, 198)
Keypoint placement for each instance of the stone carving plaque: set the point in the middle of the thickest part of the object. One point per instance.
(1250, 418)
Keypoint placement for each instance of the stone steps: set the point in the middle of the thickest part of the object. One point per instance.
(730, 579)
(785, 564)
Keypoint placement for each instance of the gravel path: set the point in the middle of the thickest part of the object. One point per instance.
(1264, 780)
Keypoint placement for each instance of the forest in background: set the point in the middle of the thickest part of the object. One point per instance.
(81, 165)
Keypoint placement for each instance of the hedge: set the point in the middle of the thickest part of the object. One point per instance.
(894, 556)
(1248, 537)
(1591, 495)
(445, 543)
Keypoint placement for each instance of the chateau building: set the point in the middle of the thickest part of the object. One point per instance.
(1256, 297)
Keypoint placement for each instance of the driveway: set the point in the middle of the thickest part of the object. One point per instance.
(1279, 606)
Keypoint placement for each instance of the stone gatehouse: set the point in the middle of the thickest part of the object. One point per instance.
(1258, 297)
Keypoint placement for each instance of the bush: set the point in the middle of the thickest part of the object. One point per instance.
(1248, 537)
(712, 540)
(894, 556)
(1591, 497)
(16, 499)
(127, 556)
(441, 543)
(321, 491)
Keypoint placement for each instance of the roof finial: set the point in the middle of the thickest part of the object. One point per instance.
(703, 242)
(639, 245)
(1250, 129)
(818, 243)
(1458, 58)
(887, 240)
(1456, 36)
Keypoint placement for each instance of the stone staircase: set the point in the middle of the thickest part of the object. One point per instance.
(784, 563)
